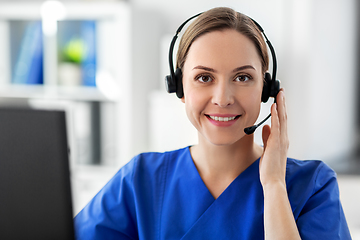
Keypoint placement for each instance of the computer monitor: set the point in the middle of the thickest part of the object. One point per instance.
(35, 190)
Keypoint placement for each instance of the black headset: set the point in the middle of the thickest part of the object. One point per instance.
(173, 82)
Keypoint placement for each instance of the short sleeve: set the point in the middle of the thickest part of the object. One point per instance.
(322, 217)
(111, 213)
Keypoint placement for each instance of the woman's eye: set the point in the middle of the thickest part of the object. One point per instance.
(242, 78)
(204, 78)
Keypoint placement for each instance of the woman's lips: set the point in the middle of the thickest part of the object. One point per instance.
(222, 120)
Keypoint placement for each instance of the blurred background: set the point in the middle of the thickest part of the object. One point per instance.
(104, 63)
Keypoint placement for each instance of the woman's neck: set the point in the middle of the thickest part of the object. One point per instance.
(227, 161)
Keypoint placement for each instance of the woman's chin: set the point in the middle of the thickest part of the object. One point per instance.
(226, 140)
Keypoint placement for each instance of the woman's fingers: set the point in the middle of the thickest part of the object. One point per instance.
(276, 144)
(281, 107)
(278, 128)
(282, 116)
(275, 124)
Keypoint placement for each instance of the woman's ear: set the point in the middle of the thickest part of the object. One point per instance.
(183, 99)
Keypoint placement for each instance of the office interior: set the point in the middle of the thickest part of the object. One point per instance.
(122, 108)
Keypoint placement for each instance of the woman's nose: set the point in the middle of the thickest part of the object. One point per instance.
(223, 95)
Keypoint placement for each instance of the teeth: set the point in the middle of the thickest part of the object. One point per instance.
(222, 119)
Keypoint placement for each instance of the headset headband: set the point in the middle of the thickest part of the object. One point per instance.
(171, 49)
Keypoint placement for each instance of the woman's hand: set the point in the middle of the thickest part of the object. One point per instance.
(279, 222)
(276, 144)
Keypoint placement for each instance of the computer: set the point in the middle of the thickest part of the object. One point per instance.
(35, 190)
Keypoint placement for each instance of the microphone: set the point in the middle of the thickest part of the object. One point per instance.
(251, 130)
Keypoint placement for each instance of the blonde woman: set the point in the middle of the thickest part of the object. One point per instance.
(226, 186)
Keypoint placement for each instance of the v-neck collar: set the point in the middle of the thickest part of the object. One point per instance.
(239, 207)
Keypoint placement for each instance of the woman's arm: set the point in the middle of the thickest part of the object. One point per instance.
(279, 220)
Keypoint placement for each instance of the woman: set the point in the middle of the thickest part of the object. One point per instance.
(226, 186)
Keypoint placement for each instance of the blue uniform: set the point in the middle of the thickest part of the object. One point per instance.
(162, 196)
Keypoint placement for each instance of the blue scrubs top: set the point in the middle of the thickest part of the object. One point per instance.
(162, 196)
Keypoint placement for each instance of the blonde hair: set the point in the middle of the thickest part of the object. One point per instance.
(220, 19)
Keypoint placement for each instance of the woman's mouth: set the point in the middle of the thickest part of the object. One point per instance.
(222, 120)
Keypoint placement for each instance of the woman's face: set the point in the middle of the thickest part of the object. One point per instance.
(223, 81)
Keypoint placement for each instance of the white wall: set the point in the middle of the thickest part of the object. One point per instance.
(321, 63)
(315, 46)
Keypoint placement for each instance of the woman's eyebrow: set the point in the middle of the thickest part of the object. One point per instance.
(243, 67)
(205, 68)
(213, 70)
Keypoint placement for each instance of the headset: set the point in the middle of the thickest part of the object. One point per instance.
(173, 82)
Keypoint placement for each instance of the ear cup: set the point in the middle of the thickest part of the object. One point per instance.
(179, 85)
(270, 88)
(275, 88)
(175, 84)
(170, 84)
(266, 88)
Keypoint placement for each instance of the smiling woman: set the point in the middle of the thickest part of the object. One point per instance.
(226, 186)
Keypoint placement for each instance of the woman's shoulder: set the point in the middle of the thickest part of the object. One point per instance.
(153, 156)
(151, 163)
(308, 169)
